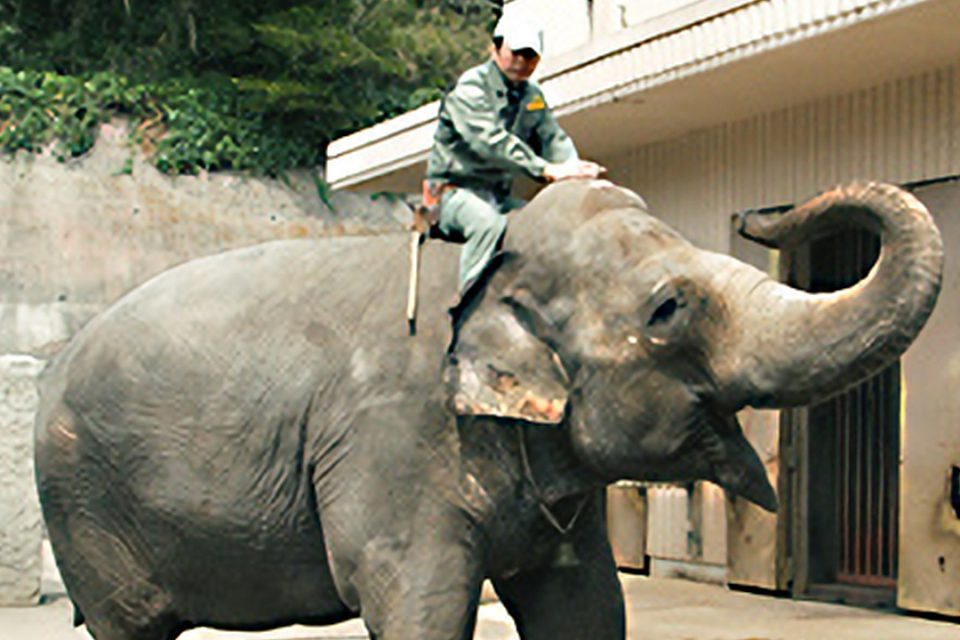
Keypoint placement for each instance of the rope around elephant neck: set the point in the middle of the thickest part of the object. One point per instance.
(538, 494)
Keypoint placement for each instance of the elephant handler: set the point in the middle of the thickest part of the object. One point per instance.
(493, 125)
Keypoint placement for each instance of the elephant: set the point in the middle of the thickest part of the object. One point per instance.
(253, 439)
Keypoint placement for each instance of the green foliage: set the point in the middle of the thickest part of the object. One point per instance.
(254, 85)
(212, 128)
(187, 128)
(37, 108)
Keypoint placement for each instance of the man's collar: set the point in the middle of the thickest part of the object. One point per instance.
(501, 80)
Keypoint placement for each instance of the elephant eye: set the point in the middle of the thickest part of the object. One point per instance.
(668, 313)
(663, 313)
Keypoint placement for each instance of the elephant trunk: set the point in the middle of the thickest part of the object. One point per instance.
(791, 346)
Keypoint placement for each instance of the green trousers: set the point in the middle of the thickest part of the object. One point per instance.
(479, 217)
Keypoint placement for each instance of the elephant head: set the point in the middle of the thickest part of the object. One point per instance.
(599, 319)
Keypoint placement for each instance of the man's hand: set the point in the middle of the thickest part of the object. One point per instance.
(573, 169)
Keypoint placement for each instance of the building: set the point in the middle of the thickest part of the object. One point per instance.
(710, 107)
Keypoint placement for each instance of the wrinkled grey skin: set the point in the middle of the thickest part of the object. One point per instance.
(252, 439)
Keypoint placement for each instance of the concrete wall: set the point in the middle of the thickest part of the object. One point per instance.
(76, 236)
(20, 522)
(930, 436)
(627, 524)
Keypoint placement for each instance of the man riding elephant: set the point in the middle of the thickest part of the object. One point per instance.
(252, 440)
(494, 125)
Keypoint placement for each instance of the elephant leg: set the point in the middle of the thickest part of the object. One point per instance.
(570, 602)
(111, 622)
(415, 575)
(432, 593)
(112, 587)
(119, 620)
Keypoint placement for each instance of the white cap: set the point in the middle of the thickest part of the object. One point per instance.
(519, 30)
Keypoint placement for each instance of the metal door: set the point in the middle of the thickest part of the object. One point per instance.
(845, 531)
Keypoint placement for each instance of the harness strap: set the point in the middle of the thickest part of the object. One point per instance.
(538, 494)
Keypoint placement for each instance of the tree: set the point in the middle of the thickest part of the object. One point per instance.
(265, 83)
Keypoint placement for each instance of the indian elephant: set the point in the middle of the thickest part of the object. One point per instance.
(253, 439)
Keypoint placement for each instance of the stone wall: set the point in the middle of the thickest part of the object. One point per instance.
(20, 522)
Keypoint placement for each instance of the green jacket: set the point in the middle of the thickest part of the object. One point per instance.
(479, 143)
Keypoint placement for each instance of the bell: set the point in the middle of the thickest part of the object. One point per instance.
(566, 555)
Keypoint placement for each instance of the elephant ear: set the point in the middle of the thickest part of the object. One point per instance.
(498, 365)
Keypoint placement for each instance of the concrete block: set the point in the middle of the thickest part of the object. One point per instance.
(627, 525)
(21, 528)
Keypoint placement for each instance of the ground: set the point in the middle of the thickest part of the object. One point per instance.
(657, 609)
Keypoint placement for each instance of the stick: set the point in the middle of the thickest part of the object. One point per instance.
(416, 239)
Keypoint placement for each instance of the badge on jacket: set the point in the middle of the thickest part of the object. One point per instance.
(536, 104)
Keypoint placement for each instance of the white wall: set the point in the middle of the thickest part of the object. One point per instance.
(900, 131)
(566, 23)
(613, 15)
